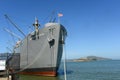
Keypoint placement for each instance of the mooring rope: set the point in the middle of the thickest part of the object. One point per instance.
(64, 52)
(65, 70)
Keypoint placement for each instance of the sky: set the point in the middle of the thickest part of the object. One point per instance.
(93, 26)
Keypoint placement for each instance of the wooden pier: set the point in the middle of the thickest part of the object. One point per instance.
(3, 73)
(5, 78)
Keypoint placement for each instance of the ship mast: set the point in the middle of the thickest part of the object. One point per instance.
(36, 26)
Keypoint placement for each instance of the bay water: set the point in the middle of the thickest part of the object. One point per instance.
(93, 70)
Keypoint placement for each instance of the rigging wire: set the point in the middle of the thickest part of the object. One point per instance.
(12, 34)
(17, 27)
(51, 16)
(9, 49)
(64, 52)
(10, 30)
(65, 68)
(30, 29)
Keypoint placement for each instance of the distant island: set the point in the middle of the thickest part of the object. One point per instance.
(88, 58)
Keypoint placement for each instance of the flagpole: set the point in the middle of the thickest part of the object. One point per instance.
(58, 19)
(59, 15)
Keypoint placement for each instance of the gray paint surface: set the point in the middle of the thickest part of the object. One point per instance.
(39, 53)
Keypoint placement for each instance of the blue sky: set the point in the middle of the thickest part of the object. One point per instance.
(93, 25)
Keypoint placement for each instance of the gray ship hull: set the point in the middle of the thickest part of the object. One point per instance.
(41, 54)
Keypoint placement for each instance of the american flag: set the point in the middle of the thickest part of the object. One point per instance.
(60, 14)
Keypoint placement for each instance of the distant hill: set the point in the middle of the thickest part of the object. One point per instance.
(88, 58)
